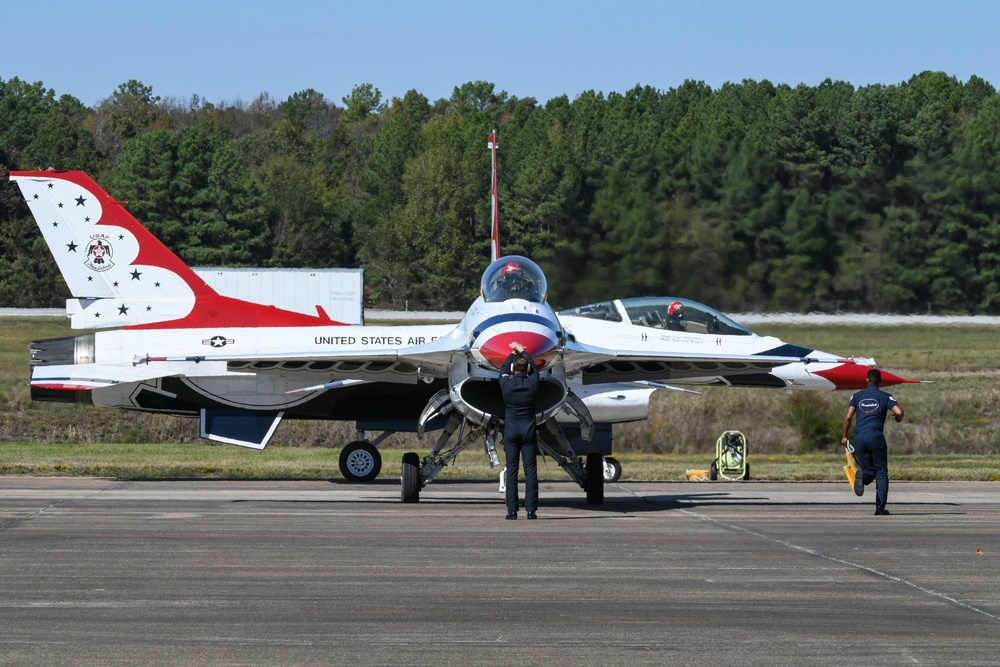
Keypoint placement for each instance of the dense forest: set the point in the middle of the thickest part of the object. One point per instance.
(754, 196)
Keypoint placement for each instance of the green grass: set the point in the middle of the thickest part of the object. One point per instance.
(165, 461)
(204, 461)
(16, 334)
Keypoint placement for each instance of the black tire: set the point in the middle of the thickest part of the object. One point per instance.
(410, 479)
(746, 473)
(595, 479)
(360, 462)
(713, 471)
(612, 470)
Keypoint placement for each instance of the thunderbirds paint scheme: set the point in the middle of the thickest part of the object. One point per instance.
(163, 341)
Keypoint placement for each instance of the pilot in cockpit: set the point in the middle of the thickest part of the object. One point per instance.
(675, 317)
(514, 281)
(513, 277)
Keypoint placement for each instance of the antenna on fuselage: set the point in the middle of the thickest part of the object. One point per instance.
(495, 213)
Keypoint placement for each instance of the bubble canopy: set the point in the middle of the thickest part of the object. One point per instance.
(513, 277)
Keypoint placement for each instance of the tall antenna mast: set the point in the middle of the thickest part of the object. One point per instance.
(495, 232)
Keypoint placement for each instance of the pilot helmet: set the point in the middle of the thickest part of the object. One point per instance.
(676, 309)
(512, 274)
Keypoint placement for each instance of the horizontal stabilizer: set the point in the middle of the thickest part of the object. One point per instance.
(110, 313)
(233, 426)
(95, 376)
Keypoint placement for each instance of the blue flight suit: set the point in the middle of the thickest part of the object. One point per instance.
(872, 406)
(519, 394)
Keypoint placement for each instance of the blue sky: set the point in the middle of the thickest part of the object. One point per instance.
(224, 51)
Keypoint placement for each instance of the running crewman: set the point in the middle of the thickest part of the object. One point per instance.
(872, 406)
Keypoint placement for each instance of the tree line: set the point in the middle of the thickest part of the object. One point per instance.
(752, 196)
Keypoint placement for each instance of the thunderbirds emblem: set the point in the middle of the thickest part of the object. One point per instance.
(99, 254)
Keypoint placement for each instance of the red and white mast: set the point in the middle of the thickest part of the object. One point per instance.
(495, 233)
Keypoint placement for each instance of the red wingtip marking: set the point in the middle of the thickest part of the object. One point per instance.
(855, 376)
(65, 387)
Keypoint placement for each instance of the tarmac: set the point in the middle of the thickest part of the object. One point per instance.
(108, 572)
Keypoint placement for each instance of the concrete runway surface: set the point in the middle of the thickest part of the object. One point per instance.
(105, 572)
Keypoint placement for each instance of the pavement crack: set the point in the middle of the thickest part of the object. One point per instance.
(65, 501)
(841, 561)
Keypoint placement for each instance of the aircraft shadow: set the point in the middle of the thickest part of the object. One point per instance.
(617, 506)
(612, 506)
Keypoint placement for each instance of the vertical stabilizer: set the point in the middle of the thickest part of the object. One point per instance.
(122, 275)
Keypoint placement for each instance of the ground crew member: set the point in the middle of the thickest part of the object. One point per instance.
(872, 406)
(519, 382)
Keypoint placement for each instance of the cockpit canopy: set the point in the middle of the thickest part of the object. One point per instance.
(513, 277)
(664, 313)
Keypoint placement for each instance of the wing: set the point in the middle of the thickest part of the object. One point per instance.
(600, 364)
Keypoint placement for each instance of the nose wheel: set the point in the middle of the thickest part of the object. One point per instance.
(595, 479)
(410, 490)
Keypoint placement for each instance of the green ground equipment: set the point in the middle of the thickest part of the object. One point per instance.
(730, 457)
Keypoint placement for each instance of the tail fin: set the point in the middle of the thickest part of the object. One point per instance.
(122, 275)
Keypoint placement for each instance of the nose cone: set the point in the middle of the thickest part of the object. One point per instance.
(855, 376)
(542, 346)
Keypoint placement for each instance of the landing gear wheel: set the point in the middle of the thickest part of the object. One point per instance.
(713, 472)
(612, 469)
(360, 462)
(595, 479)
(410, 489)
(746, 473)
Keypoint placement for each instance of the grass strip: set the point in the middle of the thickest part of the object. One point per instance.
(198, 461)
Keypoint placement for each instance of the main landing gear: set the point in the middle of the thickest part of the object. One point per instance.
(361, 461)
(589, 472)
